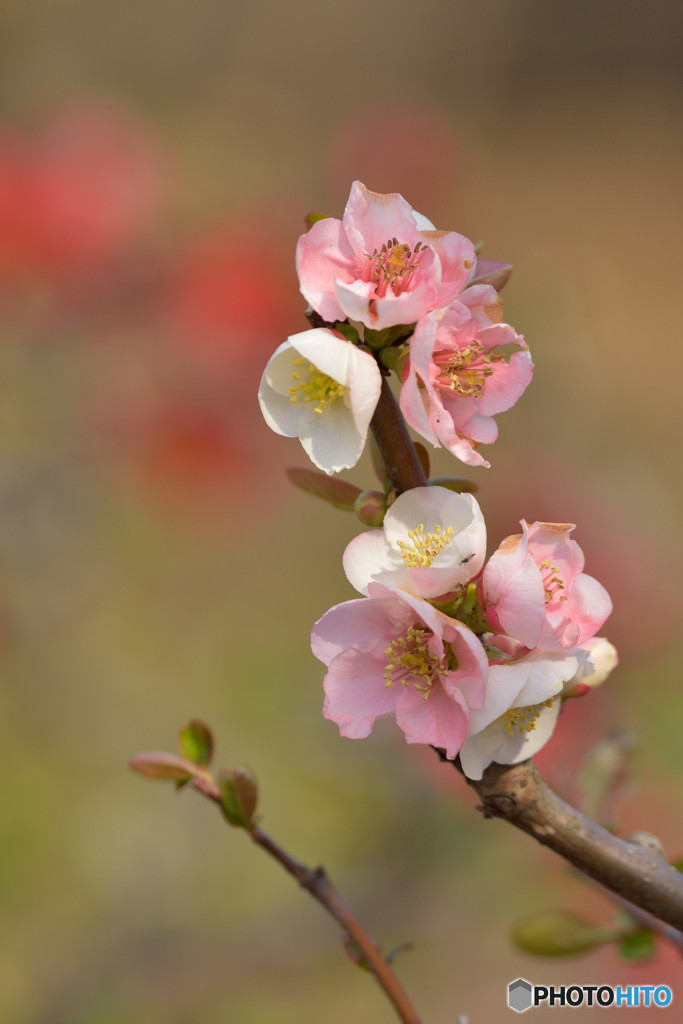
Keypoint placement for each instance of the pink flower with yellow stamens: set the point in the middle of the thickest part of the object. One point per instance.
(382, 264)
(464, 368)
(533, 589)
(394, 654)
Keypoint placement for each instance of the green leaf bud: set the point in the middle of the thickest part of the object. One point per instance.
(239, 795)
(195, 742)
(560, 933)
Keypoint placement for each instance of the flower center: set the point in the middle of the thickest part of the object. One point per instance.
(552, 582)
(524, 719)
(464, 370)
(314, 386)
(392, 266)
(410, 661)
(424, 547)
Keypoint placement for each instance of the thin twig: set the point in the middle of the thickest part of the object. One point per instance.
(516, 793)
(318, 884)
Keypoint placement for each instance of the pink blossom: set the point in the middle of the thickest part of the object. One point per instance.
(533, 589)
(458, 376)
(431, 542)
(383, 264)
(394, 654)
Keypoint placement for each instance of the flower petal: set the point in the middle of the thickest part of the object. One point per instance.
(356, 693)
(441, 720)
(319, 261)
(495, 744)
(372, 218)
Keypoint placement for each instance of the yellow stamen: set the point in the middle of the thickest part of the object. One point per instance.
(314, 386)
(553, 582)
(524, 719)
(457, 372)
(411, 663)
(424, 547)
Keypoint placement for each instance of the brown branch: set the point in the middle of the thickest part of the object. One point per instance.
(516, 793)
(640, 875)
(318, 884)
(403, 466)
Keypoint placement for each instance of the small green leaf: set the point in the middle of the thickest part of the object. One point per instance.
(394, 359)
(156, 764)
(195, 742)
(376, 339)
(455, 483)
(349, 332)
(312, 218)
(678, 864)
(560, 933)
(336, 492)
(638, 945)
(239, 795)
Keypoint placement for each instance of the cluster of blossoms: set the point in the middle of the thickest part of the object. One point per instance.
(471, 657)
(384, 280)
(473, 662)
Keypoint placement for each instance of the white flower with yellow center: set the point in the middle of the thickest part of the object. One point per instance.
(321, 388)
(433, 541)
(521, 705)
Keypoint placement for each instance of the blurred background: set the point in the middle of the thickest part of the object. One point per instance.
(156, 163)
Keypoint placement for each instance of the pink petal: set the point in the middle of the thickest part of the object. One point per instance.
(371, 219)
(513, 592)
(319, 262)
(360, 623)
(457, 256)
(471, 676)
(414, 406)
(508, 381)
(440, 720)
(552, 541)
(356, 693)
(580, 617)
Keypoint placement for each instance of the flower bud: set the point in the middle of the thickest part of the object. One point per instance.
(599, 658)
(371, 507)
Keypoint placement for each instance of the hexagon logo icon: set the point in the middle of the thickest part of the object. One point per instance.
(519, 995)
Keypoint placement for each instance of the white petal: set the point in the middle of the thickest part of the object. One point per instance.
(335, 437)
(495, 744)
(529, 680)
(367, 555)
(331, 439)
